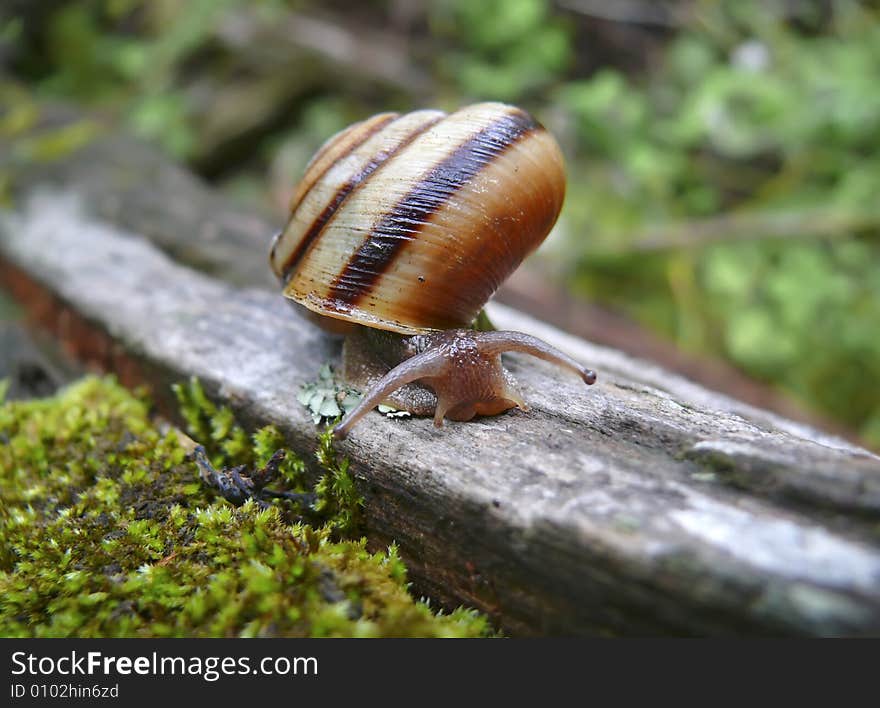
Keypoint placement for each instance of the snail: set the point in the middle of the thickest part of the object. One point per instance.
(401, 229)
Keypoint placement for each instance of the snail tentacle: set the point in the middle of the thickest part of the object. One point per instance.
(424, 365)
(463, 368)
(493, 343)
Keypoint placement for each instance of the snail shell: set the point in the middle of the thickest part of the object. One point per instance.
(409, 223)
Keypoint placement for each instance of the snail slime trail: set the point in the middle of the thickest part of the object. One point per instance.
(400, 231)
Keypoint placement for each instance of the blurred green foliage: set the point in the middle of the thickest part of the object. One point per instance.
(746, 114)
(743, 108)
(503, 49)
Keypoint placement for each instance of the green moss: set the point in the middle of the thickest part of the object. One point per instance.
(337, 497)
(107, 530)
(213, 426)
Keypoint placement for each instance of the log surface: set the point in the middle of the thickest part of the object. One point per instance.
(642, 505)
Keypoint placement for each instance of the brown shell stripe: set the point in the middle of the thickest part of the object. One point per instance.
(345, 190)
(402, 223)
(333, 150)
(337, 148)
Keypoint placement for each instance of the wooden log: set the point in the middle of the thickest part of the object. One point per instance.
(30, 362)
(644, 505)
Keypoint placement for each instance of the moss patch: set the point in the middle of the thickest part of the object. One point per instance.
(107, 530)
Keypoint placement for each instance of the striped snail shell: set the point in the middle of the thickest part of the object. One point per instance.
(405, 225)
(410, 223)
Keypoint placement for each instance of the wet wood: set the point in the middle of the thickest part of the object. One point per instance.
(643, 505)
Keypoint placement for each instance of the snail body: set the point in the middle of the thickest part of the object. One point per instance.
(401, 229)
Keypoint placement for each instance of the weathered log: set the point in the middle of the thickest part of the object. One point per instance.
(31, 363)
(643, 505)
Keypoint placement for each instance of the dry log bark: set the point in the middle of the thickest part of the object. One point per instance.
(644, 505)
